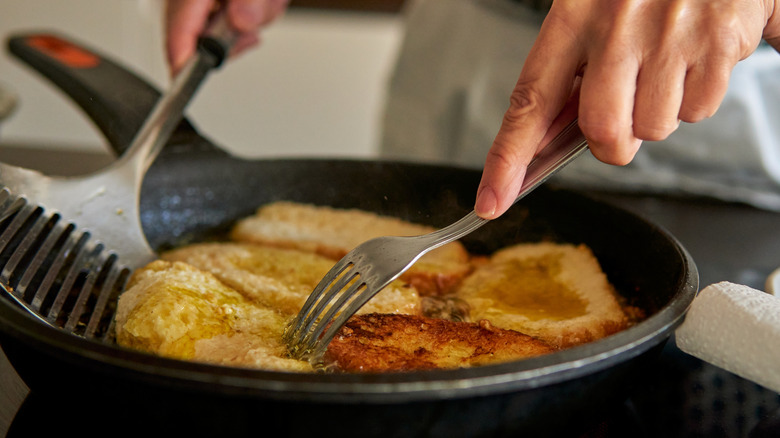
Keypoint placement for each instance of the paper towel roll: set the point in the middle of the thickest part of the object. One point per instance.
(773, 283)
(737, 328)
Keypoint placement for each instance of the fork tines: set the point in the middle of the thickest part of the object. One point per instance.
(56, 271)
(343, 282)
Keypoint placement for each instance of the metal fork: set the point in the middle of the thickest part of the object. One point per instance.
(68, 244)
(372, 265)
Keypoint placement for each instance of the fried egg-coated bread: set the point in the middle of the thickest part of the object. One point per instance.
(554, 292)
(175, 310)
(380, 343)
(282, 278)
(334, 232)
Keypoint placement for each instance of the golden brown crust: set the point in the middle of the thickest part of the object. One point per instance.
(281, 278)
(334, 232)
(175, 310)
(381, 343)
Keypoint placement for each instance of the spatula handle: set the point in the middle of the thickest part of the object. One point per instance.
(218, 38)
(169, 110)
(115, 99)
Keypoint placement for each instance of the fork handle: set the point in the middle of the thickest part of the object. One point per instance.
(562, 150)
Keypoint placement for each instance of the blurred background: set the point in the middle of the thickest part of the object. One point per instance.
(314, 88)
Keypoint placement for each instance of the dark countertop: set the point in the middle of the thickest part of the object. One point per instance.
(686, 397)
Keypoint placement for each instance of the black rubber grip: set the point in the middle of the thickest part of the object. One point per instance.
(113, 97)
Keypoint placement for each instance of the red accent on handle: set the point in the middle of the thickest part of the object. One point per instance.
(63, 51)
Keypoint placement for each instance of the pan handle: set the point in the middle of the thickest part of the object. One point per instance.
(117, 100)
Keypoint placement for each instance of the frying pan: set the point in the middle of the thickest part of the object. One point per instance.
(195, 191)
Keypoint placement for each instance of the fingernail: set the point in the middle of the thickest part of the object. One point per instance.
(486, 203)
(176, 67)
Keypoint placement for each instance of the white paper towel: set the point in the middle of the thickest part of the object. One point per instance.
(737, 328)
(773, 283)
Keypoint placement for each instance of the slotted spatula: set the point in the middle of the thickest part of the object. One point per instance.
(68, 244)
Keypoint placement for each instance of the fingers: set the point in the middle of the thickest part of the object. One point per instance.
(705, 88)
(644, 67)
(659, 94)
(186, 19)
(184, 22)
(660, 79)
(771, 32)
(607, 98)
(248, 17)
(544, 86)
(707, 80)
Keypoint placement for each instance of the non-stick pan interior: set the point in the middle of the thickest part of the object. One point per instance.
(184, 203)
(194, 196)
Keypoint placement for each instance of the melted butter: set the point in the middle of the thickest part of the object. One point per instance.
(529, 288)
(284, 266)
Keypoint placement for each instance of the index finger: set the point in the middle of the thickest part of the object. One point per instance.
(185, 20)
(545, 84)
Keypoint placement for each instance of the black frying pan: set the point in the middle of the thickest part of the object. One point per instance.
(194, 191)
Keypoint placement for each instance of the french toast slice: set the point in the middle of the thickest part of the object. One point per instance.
(282, 278)
(554, 292)
(175, 310)
(382, 342)
(334, 232)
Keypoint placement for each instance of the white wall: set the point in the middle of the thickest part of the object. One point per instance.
(314, 88)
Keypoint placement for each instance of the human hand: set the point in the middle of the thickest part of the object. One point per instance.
(185, 20)
(631, 70)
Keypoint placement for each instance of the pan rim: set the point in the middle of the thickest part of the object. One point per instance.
(115, 361)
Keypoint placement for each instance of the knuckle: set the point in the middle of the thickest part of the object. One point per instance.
(607, 143)
(613, 154)
(728, 27)
(600, 133)
(654, 131)
(703, 97)
(694, 114)
(523, 101)
(503, 157)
